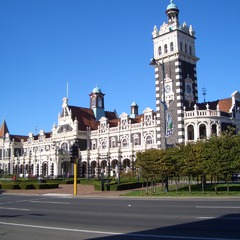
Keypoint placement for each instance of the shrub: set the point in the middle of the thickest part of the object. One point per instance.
(10, 186)
(46, 185)
(26, 186)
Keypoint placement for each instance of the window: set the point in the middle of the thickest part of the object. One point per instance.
(190, 50)
(113, 143)
(171, 46)
(64, 147)
(180, 46)
(202, 131)
(94, 102)
(100, 102)
(214, 129)
(165, 48)
(185, 48)
(93, 145)
(136, 140)
(160, 51)
(149, 140)
(124, 143)
(190, 132)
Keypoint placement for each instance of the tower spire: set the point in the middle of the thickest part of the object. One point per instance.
(3, 129)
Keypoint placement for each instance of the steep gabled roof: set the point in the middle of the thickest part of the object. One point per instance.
(4, 129)
(85, 117)
(225, 105)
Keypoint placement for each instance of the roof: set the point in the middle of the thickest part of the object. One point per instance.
(85, 117)
(96, 90)
(18, 138)
(172, 6)
(223, 104)
(4, 129)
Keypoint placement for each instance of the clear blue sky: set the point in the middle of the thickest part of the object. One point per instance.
(46, 43)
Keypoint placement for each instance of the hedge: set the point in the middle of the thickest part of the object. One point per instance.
(28, 185)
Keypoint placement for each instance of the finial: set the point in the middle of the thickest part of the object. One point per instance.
(171, 1)
(67, 89)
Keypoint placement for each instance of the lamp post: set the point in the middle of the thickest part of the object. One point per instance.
(119, 161)
(88, 166)
(156, 63)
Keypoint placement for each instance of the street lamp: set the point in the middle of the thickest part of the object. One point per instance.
(157, 64)
(119, 161)
(88, 156)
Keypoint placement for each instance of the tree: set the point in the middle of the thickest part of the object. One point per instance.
(147, 162)
(188, 164)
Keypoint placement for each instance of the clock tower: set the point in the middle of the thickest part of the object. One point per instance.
(175, 76)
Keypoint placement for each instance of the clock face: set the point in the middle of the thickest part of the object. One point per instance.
(167, 88)
(189, 89)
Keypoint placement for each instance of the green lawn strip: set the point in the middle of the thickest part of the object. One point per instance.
(209, 191)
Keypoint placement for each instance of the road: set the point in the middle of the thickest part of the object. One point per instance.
(48, 217)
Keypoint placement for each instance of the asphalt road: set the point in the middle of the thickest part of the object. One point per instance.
(54, 217)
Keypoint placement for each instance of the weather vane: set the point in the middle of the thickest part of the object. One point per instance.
(204, 90)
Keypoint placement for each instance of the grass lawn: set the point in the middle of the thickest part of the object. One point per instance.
(183, 191)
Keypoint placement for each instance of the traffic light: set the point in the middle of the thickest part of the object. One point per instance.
(71, 151)
(74, 151)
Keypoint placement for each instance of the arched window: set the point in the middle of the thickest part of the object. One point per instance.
(135, 140)
(171, 46)
(104, 145)
(125, 142)
(181, 46)
(185, 48)
(190, 131)
(214, 129)
(99, 102)
(149, 140)
(202, 131)
(113, 142)
(93, 102)
(93, 145)
(190, 50)
(64, 147)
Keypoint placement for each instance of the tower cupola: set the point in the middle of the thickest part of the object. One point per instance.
(172, 11)
(97, 102)
(134, 110)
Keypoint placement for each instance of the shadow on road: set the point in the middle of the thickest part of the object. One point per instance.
(225, 227)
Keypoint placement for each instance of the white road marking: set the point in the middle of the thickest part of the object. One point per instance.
(48, 202)
(218, 207)
(219, 218)
(113, 233)
(18, 209)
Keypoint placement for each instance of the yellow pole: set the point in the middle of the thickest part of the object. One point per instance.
(75, 177)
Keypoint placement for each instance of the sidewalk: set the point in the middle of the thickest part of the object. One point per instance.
(67, 189)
